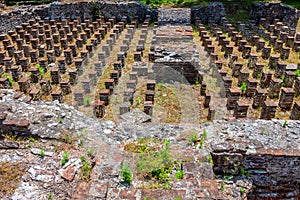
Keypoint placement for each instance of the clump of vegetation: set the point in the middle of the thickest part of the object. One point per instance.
(42, 153)
(126, 174)
(193, 138)
(65, 158)
(86, 171)
(179, 174)
(297, 72)
(243, 88)
(157, 165)
(41, 70)
(50, 196)
(210, 160)
(87, 101)
(89, 152)
(143, 145)
(67, 137)
(242, 191)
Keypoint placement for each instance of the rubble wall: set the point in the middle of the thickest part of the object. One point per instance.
(274, 172)
(9, 20)
(211, 13)
(286, 14)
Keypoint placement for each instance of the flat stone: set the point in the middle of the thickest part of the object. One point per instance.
(69, 173)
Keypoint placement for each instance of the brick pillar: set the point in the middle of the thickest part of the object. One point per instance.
(78, 96)
(149, 95)
(99, 110)
(232, 98)
(86, 86)
(236, 69)
(243, 77)
(104, 96)
(273, 61)
(280, 69)
(55, 77)
(65, 87)
(295, 114)
(241, 109)
(259, 97)
(46, 87)
(274, 88)
(289, 78)
(265, 79)
(57, 95)
(251, 87)
(227, 84)
(258, 69)
(252, 60)
(297, 86)
(266, 52)
(286, 98)
(268, 110)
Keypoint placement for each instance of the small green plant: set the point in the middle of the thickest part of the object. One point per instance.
(284, 123)
(177, 198)
(65, 158)
(60, 120)
(204, 134)
(242, 171)
(31, 139)
(262, 131)
(42, 153)
(193, 138)
(86, 170)
(126, 174)
(242, 191)
(201, 143)
(29, 145)
(161, 86)
(89, 152)
(50, 196)
(82, 158)
(41, 70)
(283, 80)
(297, 72)
(243, 87)
(258, 74)
(210, 160)
(247, 174)
(179, 174)
(222, 186)
(87, 101)
(138, 100)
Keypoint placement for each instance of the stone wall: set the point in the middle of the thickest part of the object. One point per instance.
(286, 14)
(174, 16)
(213, 12)
(273, 171)
(9, 20)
